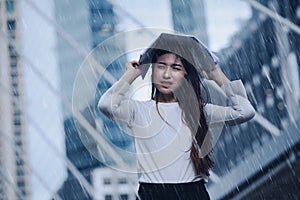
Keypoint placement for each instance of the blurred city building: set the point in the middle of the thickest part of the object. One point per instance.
(74, 18)
(14, 173)
(111, 184)
(246, 155)
(90, 23)
(260, 159)
(189, 17)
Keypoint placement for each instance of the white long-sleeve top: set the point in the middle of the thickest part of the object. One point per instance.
(163, 150)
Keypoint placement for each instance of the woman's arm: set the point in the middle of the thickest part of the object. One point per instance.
(240, 109)
(133, 70)
(113, 102)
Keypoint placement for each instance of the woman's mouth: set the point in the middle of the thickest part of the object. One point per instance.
(165, 83)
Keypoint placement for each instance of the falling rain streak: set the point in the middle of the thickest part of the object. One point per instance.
(59, 57)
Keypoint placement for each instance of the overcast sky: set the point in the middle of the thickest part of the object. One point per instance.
(223, 17)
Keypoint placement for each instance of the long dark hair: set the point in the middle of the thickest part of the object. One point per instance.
(198, 127)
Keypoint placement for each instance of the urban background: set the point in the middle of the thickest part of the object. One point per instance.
(51, 135)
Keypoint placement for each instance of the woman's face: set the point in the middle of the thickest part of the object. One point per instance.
(168, 73)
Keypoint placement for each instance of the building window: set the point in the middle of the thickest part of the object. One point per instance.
(122, 180)
(20, 183)
(14, 74)
(17, 121)
(18, 142)
(20, 172)
(13, 67)
(10, 6)
(15, 84)
(17, 113)
(19, 162)
(108, 197)
(13, 61)
(11, 25)
(16, 94)
(12, 50)
(17, 133)
(106, 181)
(124, 197)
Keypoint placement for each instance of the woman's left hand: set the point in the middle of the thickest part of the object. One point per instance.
(217, 75)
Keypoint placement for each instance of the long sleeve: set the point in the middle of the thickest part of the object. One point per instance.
(114, 105)
(238, 112)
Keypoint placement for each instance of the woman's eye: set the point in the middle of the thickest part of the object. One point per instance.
(176, 68)
(161, 66)
(173, 68)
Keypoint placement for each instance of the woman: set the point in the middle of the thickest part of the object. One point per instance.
(171, 130)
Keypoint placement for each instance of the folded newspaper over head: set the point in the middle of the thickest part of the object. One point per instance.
(186, 46)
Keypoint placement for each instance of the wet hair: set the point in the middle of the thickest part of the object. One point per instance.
(201, 164)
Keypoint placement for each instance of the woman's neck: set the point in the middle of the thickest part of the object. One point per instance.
(165, 98)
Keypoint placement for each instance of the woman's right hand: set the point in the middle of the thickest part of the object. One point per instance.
(133, 65)
(133, 70)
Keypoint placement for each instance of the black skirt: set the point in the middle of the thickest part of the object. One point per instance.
(173, 191)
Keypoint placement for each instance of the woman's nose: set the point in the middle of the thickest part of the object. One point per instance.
(167, 73)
